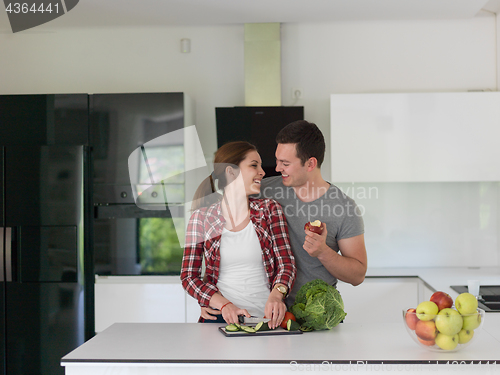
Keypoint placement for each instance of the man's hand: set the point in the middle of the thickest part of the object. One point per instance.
(206, 311)
(315, 244)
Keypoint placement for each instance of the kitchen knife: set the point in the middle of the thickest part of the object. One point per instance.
(251, 320)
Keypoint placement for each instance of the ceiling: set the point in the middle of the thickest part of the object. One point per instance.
(131, 13)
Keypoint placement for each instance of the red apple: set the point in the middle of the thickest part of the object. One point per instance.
(411, 318)
(314, 226)
(442, 300)
(426, 342)
(426, 329)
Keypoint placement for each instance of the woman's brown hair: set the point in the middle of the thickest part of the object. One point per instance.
(229, 154)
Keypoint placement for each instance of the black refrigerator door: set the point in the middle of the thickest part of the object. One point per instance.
(44, 299)
(2, 269)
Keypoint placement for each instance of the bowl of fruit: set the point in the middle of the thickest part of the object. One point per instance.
(440, 325)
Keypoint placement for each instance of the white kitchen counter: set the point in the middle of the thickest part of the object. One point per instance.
(441, 278)
(159, 348)
(162, 346)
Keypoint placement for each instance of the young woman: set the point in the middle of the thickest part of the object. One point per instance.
(249, 266)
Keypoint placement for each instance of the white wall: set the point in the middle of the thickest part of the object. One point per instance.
(130, 60)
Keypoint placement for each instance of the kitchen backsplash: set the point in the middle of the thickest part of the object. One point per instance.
(429, 224)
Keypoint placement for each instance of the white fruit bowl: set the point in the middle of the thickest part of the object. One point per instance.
(443, 342)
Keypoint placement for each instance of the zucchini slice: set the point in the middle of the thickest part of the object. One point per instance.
(232, 328)
(262, 326)
(292, 325)
(248, 329)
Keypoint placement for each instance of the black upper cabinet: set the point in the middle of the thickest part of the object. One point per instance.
(119, 124)
(29, 120)
(257, 125)
(23, 120)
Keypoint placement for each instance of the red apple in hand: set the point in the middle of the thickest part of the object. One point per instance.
(314, 226)
(411, 318)
(426, 330)
(442, 300)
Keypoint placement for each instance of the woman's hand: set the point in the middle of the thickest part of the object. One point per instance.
(275, 309)
(230, 313)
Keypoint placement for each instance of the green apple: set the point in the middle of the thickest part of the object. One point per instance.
(471, 322)
(427, 310)
(466, 303)
(449, 321)
(447, 342)
(465, 335)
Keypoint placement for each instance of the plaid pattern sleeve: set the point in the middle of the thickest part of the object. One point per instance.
(284, 261)
(192, 260)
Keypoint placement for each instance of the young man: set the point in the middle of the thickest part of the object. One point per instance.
(339, 252)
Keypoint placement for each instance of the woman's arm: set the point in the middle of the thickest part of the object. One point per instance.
(192, 261)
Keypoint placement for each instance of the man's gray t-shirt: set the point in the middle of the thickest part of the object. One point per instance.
(340, 213)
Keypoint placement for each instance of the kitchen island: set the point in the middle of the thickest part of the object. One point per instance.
(185, 348)
(159, 348)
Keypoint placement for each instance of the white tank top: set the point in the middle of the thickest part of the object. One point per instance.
(242, 278)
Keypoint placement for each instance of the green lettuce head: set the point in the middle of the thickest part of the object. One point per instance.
(318, 306)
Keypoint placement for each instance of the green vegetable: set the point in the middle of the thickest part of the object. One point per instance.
(262, 326)
(292, 325)
(232, 328)
(248, 329)
(318, 306)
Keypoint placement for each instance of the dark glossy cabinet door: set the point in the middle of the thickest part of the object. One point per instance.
(44, 148)
(257, 125)
(2, 269)
(129, 240)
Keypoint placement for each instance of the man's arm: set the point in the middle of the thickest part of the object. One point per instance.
(349, 265)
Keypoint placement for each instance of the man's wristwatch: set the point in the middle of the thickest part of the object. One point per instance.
(281, 288)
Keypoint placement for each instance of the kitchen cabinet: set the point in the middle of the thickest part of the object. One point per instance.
(425, 291)
(138, 299)
(415, 137)
(142, 180)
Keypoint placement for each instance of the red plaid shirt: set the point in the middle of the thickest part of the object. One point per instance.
(203, 238)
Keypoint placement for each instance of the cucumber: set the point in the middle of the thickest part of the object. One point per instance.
(262, 326)
(248, 329)
(305, 329)
(232, 328)
(292, 325)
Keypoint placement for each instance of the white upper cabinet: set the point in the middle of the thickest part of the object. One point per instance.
(415, 137)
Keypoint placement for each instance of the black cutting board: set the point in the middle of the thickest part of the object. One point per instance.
(273, 332)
